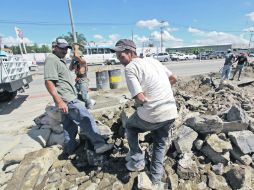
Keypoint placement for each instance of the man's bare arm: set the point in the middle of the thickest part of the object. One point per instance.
(59, 101)
(172, 79)
(140, 98)
(71, 67)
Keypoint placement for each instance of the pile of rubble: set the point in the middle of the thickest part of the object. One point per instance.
(211, 146)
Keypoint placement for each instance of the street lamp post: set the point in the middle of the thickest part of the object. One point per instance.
(162, 27)
(72, 22)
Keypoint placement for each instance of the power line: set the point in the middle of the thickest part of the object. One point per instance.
(46, 23)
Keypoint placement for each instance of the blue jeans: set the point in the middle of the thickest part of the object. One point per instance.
(78, 115)
(160, 132)
(226, 72)
(82, 88)
(239, 69)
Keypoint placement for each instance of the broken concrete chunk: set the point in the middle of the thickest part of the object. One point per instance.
(184, 140)
(218, 169)
(144, 182)
(236, 113)
(55, 128)
(205, 124)
(234, 126)
(56, 139)
(217, 182)
(216, 149)
(198, 144)
(239, 176)
(244, 140)
(40, 135)
(33, 168)
(54, 113)
(187, 169)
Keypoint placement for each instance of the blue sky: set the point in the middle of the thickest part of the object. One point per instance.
(196, 22)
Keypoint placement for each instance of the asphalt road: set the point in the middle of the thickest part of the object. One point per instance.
(180, 68)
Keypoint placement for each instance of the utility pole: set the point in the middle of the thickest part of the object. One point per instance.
(132, 34)
(251, 34)
(162, 28)
(72, 22)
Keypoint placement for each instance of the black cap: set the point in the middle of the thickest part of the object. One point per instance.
(124, 44)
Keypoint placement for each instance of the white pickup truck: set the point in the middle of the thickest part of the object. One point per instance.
(14, 76)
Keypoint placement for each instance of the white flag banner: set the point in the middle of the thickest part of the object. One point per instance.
(19, 34)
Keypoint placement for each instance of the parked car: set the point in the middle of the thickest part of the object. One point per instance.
(163, 57)
(178, 56)
(251, 55)
(191, 56)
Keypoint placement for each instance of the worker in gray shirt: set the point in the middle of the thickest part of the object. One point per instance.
(59, 82)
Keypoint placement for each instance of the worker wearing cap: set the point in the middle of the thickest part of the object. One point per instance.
(149, 83)
(79, 65)
(226, 70)
(59, 82)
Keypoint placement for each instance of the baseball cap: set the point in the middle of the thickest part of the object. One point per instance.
(124, 44)
(62, 43)
(53, 43)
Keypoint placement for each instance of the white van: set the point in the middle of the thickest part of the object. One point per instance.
(99, 55)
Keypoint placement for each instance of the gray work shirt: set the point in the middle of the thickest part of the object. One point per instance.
(57, 71)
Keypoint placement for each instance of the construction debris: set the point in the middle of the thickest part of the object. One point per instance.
(211, 146)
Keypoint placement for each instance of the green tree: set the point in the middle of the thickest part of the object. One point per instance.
(80, 38)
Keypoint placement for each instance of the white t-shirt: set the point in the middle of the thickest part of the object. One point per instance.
(149, 76)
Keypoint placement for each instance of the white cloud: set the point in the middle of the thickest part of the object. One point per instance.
(251, 16)
(98, 37)
(151, 24)
(195, 31)
(139, 40)
(168, 39)
(214, 37)
(248, 29)
(171, 29)
(10, 41)
(114, 37)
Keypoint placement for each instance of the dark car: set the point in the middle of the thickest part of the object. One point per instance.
(211, 55)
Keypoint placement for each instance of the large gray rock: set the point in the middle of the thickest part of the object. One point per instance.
(236, 113)
(237, 154)
(46, 120)
(32, 169)
(216, 149)
(185, 138)
(239, 176)
(217, 182)
(26, 145)
(234, 126)
(187, 169)
(54, 128)
(56, 139)
(205, 124)
(40, 135)
(244, 140)
(54, 113)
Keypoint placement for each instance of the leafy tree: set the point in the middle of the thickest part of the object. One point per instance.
(80, 38)
(31, 49)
